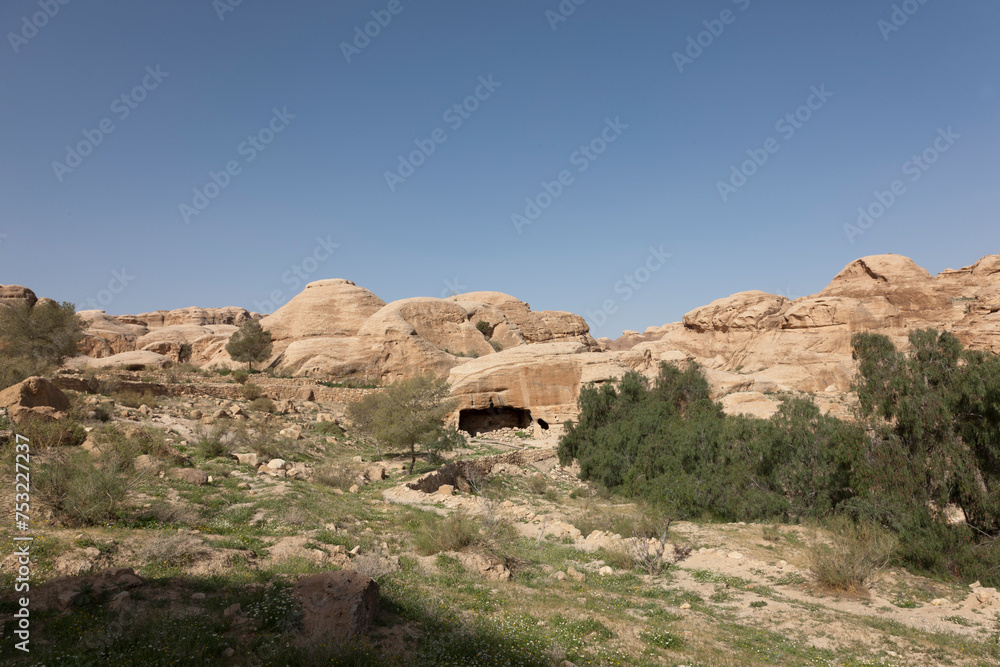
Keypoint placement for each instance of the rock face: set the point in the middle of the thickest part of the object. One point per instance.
(758, 343)
(337, 605)
(511, 366)
(206, 330)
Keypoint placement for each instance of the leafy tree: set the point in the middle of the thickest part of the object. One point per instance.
(36, 339)
(935, 414)
(250, 343)
(671, 444)
(408, 414)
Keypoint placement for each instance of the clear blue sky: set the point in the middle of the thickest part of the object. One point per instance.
(449, 224)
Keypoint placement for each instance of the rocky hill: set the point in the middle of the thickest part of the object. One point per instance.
(511, 366)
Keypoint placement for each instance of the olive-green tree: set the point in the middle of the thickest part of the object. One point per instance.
(34, 339)
(406, 415)
(250, 343)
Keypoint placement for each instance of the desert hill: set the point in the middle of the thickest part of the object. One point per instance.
(509, 365)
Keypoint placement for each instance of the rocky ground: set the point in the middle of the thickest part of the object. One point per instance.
(237, 517)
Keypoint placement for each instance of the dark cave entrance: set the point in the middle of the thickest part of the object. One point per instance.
(475, 422)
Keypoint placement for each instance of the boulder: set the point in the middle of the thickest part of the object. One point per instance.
(337, 606)
(190, 475)
(33, 393)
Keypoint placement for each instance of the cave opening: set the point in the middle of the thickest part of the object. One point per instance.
(475, 422)
(543, 424)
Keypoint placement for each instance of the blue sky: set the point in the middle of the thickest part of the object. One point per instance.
(585, 111)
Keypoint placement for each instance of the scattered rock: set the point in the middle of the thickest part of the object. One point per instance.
(191, 475)
(120, 602)
(488, 567)
(446, 490)
(232, 610)
(337, 605)
(249, 459)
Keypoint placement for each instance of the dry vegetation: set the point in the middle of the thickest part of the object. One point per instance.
(645, 590)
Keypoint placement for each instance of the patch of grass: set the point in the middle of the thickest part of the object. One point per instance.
(251, 391)
(262, 404)
(859, 551)
(452, 534)
(661, 638)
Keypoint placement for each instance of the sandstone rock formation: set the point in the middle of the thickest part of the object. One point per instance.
(524, 369)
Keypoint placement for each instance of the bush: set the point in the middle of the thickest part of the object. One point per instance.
(485, 328)
(452, 534)
(497, 347)
(36, 339)
(82, 491)
(262, 404)
(184, 354)
(44, 433)
(537, 484)
(335, 476)
(251, 392)
(670, 443)
(133, 399)
(328, 429)
(859, 551)
(214, 444)
(240, 376)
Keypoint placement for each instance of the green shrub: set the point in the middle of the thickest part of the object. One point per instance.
(670, 443)
(537, 484)
(184, 354)
(452, 534)
(214, 444)
(43, 432)
(485, 328)
(328, 429)
(251, 392)
(858, 552)
(240, 376)
(133, 399)
(34, 340)
(262, 404)
(84, 490)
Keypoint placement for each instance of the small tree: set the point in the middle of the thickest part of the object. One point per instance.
(250, 343)
(36, 339)
(408, 414)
